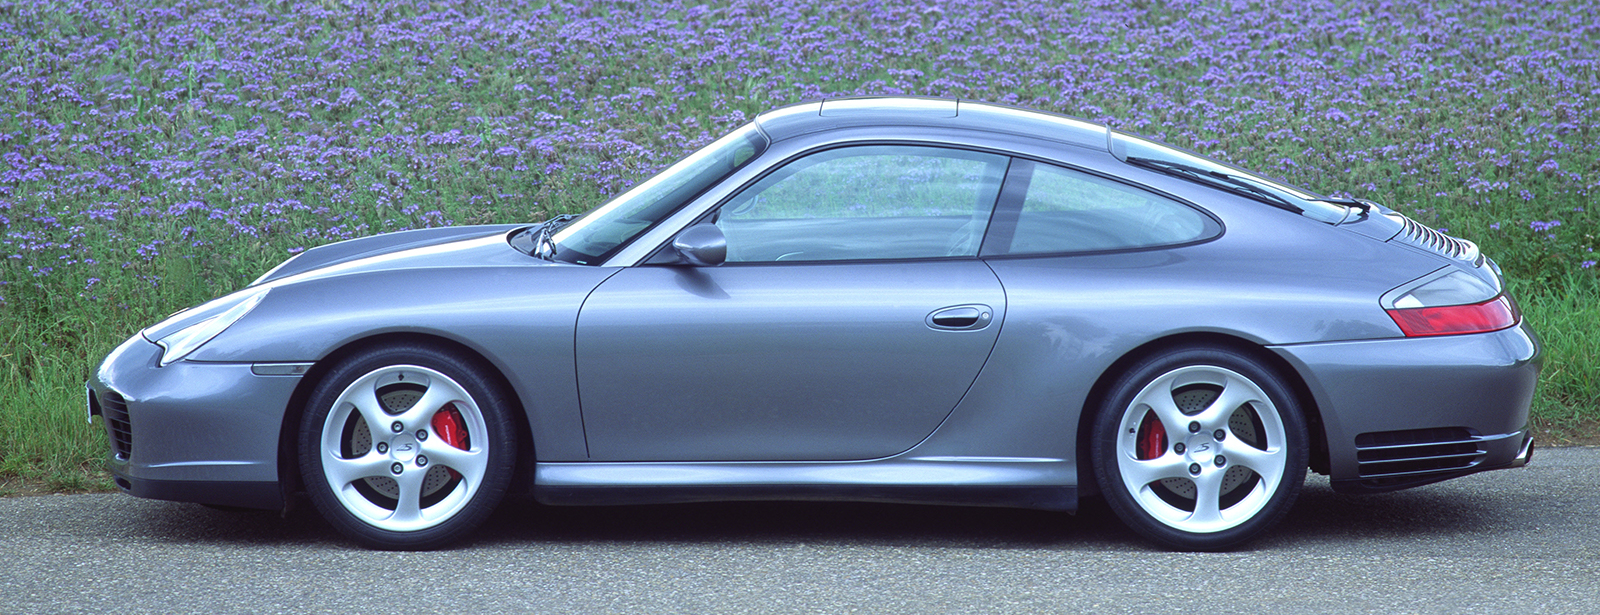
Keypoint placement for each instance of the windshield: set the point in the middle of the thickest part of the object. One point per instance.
(594, 237)
(1129, 148)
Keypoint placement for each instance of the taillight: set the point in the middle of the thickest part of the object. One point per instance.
(1492, 315)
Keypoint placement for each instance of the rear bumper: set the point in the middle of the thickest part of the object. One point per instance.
(1400, 413)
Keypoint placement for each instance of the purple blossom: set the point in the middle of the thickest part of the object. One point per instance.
(296, 125)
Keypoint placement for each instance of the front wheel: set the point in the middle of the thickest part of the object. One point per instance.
(406, 447)
(1200, 449)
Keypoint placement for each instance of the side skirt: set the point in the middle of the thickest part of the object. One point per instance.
(1044, 484)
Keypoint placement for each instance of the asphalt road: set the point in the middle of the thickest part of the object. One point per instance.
(1518, 541)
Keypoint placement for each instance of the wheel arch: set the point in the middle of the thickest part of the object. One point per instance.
(288, 455)
(1097, 394)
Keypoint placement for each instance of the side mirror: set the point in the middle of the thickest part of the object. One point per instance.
(702, 245)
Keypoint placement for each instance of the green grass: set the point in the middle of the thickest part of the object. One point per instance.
(45, 437)
(1569, 387)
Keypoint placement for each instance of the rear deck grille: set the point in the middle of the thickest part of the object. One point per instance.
(1426, 238)
(1413, 452)
(114, 409)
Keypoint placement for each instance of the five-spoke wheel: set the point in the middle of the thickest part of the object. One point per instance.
(1200, 449)
(406, 448)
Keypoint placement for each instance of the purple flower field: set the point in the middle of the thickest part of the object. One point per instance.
(137, 132)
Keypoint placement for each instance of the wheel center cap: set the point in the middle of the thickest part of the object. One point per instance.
(403, 447)
(1201, 449)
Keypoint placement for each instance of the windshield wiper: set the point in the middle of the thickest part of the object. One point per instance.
(1363, 204)
(544, 246)
(1233, 183)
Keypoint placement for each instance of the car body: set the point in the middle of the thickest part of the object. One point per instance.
(888, 299)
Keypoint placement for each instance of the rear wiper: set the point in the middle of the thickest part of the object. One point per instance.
(544, 246)
(1232, 183)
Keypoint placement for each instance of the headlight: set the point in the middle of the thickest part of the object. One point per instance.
(187, 331)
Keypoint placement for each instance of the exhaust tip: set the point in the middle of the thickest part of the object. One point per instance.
(1526, 456)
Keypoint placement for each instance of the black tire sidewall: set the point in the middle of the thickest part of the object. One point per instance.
(1107, 425)
(501, 445)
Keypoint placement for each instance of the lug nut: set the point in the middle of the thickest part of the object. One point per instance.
(383, 448)
(1179, 448)
(422, 460)
(1194, 468)
(422, 434)
(397, 427)
(1221, 461)
(397, 468)
(1220, 435)
(1194, 427)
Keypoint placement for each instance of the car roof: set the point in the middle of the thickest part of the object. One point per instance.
(919, 112)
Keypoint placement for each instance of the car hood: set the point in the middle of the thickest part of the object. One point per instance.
(418, 248)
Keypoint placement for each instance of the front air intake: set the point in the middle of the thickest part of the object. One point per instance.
(114, 409)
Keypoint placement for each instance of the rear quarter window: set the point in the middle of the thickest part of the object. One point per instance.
(1063, 210)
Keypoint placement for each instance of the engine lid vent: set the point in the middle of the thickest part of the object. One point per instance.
(1416, 234)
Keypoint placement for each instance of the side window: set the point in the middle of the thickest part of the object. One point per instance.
(868, 202)
(1071, 211)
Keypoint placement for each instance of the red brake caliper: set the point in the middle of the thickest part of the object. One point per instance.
(447, 424)
(1151, 439)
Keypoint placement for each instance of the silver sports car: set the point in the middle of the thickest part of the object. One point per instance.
(889, 299)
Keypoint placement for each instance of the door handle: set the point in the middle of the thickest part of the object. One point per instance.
(961, 317)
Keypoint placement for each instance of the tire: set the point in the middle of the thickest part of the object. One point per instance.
(407, 447)
(1200, 449)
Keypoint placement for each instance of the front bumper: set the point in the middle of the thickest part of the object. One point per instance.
(1399, 413)
(191, 431)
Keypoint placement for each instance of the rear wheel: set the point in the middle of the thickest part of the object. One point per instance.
(1200, 449)
(406, 447)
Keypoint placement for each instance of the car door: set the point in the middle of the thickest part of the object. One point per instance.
(850, 317)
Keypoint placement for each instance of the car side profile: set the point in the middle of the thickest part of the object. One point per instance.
(881, 299)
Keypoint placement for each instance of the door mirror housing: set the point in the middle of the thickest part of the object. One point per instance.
(702, 245)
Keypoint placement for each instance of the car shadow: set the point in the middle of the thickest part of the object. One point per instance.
(1438, 513)
(1319, 516)
(809, 522)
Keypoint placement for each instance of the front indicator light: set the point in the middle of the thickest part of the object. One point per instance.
(1492, 315)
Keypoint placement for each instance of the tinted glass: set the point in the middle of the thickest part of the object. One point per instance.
(873, 202)
(1071, 211)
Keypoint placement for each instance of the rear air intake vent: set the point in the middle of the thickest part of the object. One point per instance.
(114, 409)
(1393, 454)
(1434, 241)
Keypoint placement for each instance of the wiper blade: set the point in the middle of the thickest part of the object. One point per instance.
(1228, 181)
(544, 245)
(1363, 204)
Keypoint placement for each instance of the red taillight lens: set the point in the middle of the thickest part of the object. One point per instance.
(1492, 315)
